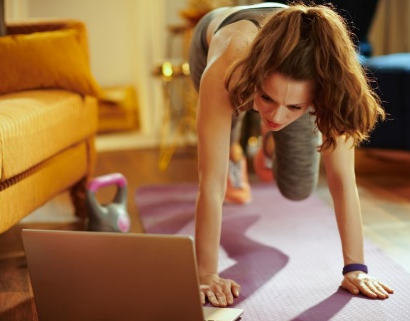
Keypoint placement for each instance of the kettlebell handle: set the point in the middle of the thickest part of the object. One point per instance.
(102, 181)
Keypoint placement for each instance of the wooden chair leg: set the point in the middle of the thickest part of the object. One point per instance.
(3, 30)
(78, 197)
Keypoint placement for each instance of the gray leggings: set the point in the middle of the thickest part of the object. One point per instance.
(296, 160)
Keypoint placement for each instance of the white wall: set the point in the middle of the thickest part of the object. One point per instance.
(127, 38)
(112, 30)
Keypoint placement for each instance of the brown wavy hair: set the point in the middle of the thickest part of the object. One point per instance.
(311, 43)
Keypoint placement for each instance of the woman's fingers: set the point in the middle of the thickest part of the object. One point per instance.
(222, 299)
(376, 289)
(386, 288)
(230, 289)
(220, 292)
(212, 298)
(202, 295)
(356, 282)
(367, 289)
(236, 288)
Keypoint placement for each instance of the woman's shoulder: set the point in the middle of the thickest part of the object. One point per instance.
(229, 45)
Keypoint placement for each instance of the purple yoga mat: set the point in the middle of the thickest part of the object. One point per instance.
(286, 255)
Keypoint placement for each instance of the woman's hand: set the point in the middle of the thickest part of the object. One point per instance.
(220, 292)
(359, 282)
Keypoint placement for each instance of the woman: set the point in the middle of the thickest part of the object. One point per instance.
(297, 66)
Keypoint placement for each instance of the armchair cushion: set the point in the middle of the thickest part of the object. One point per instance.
(38, 124)
(53, 59)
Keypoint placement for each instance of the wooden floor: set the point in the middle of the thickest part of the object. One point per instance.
(384, 185)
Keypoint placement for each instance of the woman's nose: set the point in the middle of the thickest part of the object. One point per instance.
(278, 114)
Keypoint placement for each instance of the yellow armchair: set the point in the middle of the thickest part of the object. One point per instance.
(48, 117)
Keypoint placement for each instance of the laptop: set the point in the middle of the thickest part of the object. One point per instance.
(103, 276)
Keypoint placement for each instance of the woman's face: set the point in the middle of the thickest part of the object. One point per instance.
(282, 100)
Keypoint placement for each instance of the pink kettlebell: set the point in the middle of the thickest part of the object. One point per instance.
(112, 217)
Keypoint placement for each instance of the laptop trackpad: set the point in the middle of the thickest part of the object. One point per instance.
(221, 314)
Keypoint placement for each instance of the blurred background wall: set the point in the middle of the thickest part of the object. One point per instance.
(128, 38)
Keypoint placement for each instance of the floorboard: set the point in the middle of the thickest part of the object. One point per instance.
(383, 178)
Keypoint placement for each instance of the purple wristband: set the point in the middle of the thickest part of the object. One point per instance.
(354, 267)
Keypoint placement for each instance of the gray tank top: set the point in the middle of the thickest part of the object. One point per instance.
(254, 14)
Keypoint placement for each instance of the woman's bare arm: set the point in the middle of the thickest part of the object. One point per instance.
(341, 179)
(214, 118)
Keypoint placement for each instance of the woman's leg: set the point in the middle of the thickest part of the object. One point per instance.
(296, 159)
(262, 160)
(238, 188)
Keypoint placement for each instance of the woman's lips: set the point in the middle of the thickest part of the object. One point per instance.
(272, 125)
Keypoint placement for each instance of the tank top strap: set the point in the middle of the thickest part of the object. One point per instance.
(253, 14)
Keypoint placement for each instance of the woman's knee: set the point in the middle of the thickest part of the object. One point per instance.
(296, 192)
(296, 178)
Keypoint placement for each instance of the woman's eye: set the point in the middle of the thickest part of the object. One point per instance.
(296, 107)
(266, 98)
